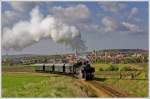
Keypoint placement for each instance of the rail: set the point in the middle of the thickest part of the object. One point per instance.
(102, 90)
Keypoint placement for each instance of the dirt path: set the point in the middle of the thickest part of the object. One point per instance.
(102, 90)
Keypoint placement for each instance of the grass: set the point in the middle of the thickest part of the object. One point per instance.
(137, 87)
(18, 69)
(139, 66)
(20, 81)
(33, 85)
(98, 66)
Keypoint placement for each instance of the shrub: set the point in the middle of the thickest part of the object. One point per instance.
(101, 69)
(125, 69)
(112, 68)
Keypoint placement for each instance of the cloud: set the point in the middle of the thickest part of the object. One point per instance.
(18, 11)
(133, 12)
(107, 25)
(132, 27)
(26, 33)
(72, 14)
(78, 15)
(110, 24)
(90, 28)
(125, 23)
(9, 17)
(112, 6)
(22, 6)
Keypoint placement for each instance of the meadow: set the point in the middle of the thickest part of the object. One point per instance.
(22, 81)
(24, 84)
(137, 86)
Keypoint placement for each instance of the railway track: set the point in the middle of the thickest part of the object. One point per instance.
(98, 88)
(102, 90)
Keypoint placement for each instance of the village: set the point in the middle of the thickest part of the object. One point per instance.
(115, 56)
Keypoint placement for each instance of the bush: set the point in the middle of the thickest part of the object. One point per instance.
(112, 68)
(125, 69)
(101, 69)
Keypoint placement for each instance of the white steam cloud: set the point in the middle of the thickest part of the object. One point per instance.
(26, 33)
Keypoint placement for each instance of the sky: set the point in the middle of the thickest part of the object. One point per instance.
(97, 25)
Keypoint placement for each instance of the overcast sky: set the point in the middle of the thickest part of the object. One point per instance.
(103, 25)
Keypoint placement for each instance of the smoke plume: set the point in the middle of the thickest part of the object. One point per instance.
(26, 33)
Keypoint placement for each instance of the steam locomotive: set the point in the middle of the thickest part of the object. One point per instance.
(81, 69)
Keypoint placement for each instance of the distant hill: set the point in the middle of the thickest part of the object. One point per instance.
(19, 56)
(126, 50)
(112, 50)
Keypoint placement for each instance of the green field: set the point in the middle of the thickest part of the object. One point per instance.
(22, 81)
(133, 66)
(41, 85)
(137, 87)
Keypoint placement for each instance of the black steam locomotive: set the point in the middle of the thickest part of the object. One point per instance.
(84, 70)
(81, 69)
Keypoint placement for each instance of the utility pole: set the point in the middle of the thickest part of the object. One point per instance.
(6, 58)
(105, 57)
(6, 55)
(76, 52)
